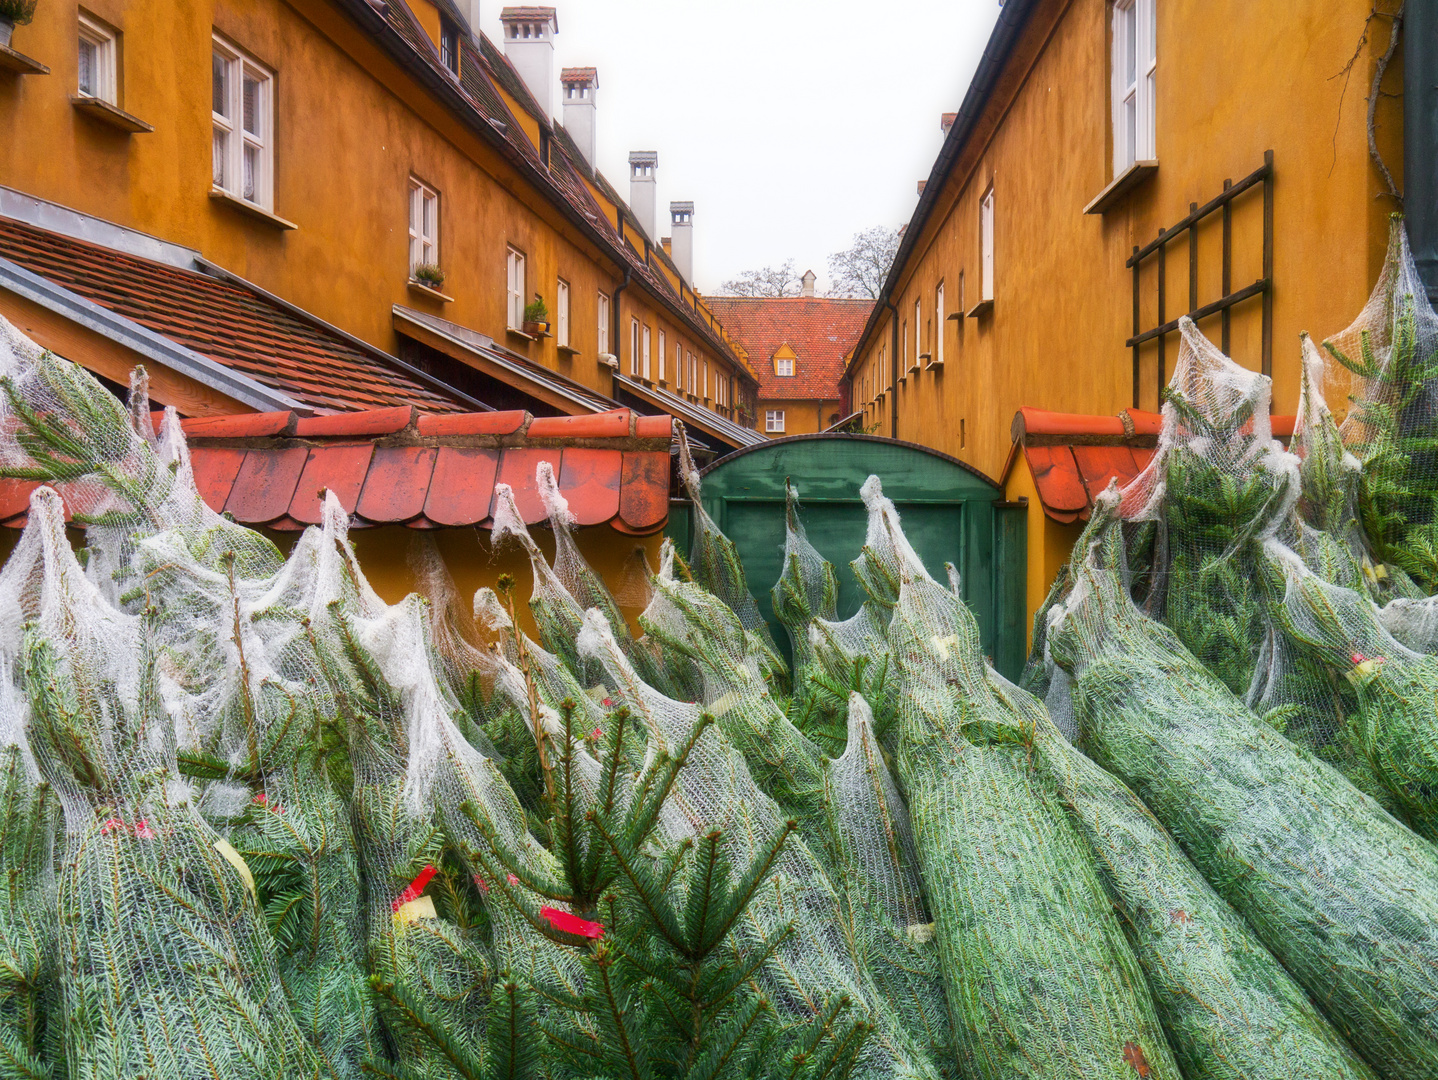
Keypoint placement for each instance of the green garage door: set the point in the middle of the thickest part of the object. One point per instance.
(950, 513)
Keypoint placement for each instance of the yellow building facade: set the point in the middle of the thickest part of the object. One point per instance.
(1012, 286)
(357, 146)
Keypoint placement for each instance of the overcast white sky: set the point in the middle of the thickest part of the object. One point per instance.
(792, 124)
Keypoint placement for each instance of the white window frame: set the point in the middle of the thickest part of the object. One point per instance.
(693, 383)
(663, 352)
(633, 347)
(104, 83)
(1134, 71)
(939, 328)
(986, 242)
(706, 380)
(514, 287)
(231, 137)
(678, 363)
(918, 332)
(783, 366)
(603, 336)
(645, 375)
(423, 225)
(561, 313)
(774, 421)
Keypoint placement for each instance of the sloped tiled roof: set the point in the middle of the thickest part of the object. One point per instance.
(426, 471)
(1072, 456)
(224, 320)
(821, 331)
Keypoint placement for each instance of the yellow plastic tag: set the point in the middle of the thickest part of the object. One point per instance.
(942, 645)
(423, 908)
(235, 859)
(921, 933)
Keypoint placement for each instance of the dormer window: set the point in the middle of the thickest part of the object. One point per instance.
(784, 365)
(449, 45)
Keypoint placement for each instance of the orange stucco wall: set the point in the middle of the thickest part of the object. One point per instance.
(802, 416)
(1234, 79)
(350, 130)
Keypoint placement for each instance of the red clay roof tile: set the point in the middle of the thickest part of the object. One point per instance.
(516, 468)
(369, 422)
(590, 481)
(462, 485)
(397, 483)
(654, 427)
(613, 424)
(241, 426)
(228, 321)
(1056, 475)
(340, 469)
(265, 484)
(215, 468)
(820, 331)
(1098, 465)
(15, 496)
(490, 423)
(644, 494)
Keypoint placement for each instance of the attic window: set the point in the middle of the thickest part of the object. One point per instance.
(449, 45)
(783, 365)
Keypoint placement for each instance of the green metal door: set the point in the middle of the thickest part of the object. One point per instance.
(950, 513)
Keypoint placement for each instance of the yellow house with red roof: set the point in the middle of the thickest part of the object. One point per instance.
(799, 347)
(389, 202)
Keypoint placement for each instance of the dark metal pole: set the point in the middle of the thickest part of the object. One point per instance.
(1420, 137)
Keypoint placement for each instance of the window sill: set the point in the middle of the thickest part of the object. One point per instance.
(957, 316)
(933, 365)
(513, 332)
(428, 290)
(105, 113)
(567, 350)
(982, 308)
(19, 63)
(1121, 185)
(259, 213)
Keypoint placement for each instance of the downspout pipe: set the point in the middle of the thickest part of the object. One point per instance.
(893, 368)
(1420, 137)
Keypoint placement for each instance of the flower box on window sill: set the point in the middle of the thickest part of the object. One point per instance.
(425, 288)
(113, 115)
(19, 63)
(536, 329)
(259, 213)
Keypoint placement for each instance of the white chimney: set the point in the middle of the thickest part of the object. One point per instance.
(470, 10)
(578, 88)
(807, 288)
(681, 215)
(643, 164)
(529, 46)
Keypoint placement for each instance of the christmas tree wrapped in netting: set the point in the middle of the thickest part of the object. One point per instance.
(1229, 1008)
(807, 589)
(1390, 725)
(1040, 979)
(1391, 355)
(165, 964)
(1344, 896)
(1217, 479)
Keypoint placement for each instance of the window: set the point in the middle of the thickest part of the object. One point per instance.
(904, 352)
(448, 45)
(242, 110)
(603, 337)
(938, 357)
(1134, 63)
(96, 76)
(646, 354)
(986, 239)
(663, 352)
(514, 288)
(561, 313)
(783, 365)
(678, 362)
(918, 335)
(693, 382)
(634, 347)
(423, 226)
(706, 380)
(774, 420)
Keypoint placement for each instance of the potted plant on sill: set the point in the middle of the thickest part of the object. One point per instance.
(14, 13)
(427, 274)
(536, 318)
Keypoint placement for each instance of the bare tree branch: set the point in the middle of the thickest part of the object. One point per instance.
(860, 269)
(768, 281)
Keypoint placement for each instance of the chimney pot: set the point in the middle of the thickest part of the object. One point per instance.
(946, 121)
(529, 46)
(681, 217)
(807, 286)
(579, 91)
(643, 167)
